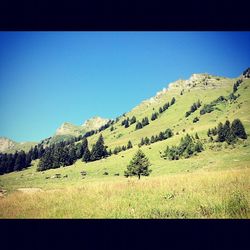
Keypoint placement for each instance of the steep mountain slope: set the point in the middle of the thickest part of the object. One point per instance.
(203, 87)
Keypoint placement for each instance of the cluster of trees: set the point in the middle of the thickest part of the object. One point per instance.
(62, 154)
(162, 136)
(208, 108)
(138, 166)
(228, 132)
(188, 146)
(142, 124)
(92, 132)
(167, 105)
(121, 148)
(193, 108)
(105, 126)
(246, 73)
(236, 85)
(20, 160)
(127, 122)
(14, 162)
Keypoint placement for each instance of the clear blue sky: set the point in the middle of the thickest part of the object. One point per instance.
(47, 78)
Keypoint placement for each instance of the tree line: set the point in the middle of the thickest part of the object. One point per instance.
(187, 147)
(19, 160)
(193, 108)
(60, 154)
(155, 138)
(228, 132)
(14, 162)
(118, 149)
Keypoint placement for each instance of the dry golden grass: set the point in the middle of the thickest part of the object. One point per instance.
(201, 194)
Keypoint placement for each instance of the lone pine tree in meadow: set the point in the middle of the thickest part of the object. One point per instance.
(138, 166)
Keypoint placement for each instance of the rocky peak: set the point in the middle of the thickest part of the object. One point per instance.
(6, 144)
(94, 123)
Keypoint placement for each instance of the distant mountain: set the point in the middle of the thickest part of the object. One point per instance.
(91, 124)
(6, 144)
(10, 146)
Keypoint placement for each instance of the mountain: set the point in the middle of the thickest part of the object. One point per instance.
(10, 146)
(210, 184)
(66, 131)
(91, 124)
(204, 87)
(6, 144)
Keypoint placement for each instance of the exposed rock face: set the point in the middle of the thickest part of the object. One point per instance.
(94, 123)
(6, 144)
(197, 81)
(71, 129)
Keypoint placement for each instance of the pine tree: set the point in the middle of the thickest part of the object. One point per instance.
(79, 151)
(208, 132)
(172, 101)
(138, 166)
(129, 145)
(238, 129)
(20, 162)
(220, 132)
(235, 88)
(72, 155)
(99, 150)
(168, 133)
(147, 141)
(35, 153)
(145, 121)
(46, 161)
(226, 129)
(40, 151)
(86, 155)
(133, 120)
(161, 136)
(152, 140)
(196, 136)
(138, 125)
(142, 142)
(166, 106)
(198, 147)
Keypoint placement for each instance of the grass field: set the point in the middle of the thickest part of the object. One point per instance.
(223, 194)
(213, 184)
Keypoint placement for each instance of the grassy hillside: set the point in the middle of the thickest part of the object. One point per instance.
(211, 181)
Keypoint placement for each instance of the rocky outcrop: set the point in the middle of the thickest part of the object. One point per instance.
(6, 144)
(94, 123)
